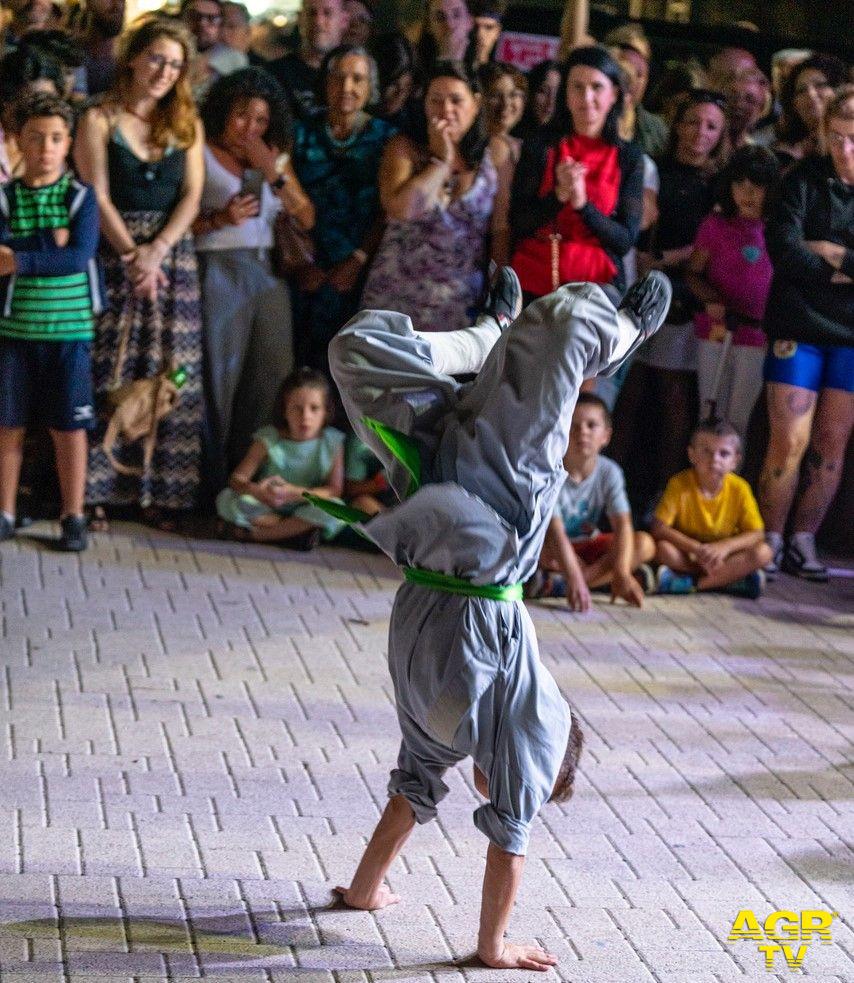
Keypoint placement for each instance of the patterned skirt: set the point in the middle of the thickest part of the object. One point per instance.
(163, 334)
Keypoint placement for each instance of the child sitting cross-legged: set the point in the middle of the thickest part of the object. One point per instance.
(576, 556)
(707, 526)
(298, 453)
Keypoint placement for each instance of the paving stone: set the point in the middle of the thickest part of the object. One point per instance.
(197, 740)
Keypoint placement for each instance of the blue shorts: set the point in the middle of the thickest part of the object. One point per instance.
(812, 367)
(48, 382)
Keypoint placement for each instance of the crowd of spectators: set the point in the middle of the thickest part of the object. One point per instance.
(249, 205)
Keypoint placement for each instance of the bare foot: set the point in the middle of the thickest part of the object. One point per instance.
(514, 956)
(381, 898)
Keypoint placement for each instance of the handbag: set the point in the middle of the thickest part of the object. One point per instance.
(293, 248)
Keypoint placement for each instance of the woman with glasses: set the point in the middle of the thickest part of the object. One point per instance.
(807, 90)
(809, 319)
(141, 149)
(657, 406)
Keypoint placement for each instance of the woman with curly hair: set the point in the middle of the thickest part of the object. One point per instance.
(246, 308)
(141, 149)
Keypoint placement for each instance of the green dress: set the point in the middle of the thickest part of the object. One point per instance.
(301, 462)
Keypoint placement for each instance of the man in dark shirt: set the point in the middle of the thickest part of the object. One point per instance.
(321, 27)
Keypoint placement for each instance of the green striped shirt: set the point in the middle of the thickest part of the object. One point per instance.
(46, 308)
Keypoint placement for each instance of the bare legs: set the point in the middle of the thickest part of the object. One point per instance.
(734, 567)
(11, 456)
(71, 449)
(790, 411)
(799, 419)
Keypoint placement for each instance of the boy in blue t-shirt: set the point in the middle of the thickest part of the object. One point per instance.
(49, 296)
(576, 555)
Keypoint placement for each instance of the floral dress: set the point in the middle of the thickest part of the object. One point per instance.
(432, 267)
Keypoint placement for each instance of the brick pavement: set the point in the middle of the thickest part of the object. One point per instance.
(197, 738)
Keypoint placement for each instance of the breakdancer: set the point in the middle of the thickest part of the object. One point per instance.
(477, 467)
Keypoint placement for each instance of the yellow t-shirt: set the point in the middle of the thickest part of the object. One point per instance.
(687, 510)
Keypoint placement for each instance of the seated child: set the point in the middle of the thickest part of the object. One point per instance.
(584, 557)
(49, 231)
(707, 525)
(298, 453)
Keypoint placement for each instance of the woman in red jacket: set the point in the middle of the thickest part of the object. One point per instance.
(577, 199)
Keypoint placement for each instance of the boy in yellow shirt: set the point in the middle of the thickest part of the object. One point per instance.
(707, 526)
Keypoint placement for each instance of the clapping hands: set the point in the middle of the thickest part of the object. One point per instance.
(570, 183)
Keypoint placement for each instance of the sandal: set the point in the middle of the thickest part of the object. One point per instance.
(233, 533)
(96, 516)
(161, 519)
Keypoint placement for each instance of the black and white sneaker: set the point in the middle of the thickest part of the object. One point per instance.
(74, 537)
(646, 304)
(504, 300)
(7, 528)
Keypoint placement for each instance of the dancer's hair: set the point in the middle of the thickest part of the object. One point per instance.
(565, 782)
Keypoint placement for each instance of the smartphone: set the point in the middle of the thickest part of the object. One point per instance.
(253, 183)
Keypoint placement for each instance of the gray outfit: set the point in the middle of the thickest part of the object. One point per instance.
(581, 504)
(467, 676)
(246, 310)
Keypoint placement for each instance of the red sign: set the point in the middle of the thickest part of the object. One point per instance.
(526, 50)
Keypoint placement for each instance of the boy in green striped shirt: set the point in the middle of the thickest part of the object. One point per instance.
(49, 295)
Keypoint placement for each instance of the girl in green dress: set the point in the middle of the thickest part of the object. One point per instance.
(297, 453)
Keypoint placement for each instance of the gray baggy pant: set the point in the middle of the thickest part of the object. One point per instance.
(246, 313)
(466, 670)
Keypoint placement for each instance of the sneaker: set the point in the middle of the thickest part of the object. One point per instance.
(645, 577)
(646, 304)
(750, 586)
(74, 538)
(504, 300)
(800, 559)
(775, 543)
(544, 584)
(533, 587)
(7, 528)
(669, 582)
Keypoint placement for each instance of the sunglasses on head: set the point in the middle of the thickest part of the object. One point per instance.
(696, 96)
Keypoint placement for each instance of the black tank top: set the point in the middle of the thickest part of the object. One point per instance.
(138, 185)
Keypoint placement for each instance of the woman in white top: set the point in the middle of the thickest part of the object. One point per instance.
(246, 308)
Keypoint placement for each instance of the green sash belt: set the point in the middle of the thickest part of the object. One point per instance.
(453, 585)
(405, 450)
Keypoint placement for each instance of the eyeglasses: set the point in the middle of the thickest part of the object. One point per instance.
(198, 16)
(158, 62)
